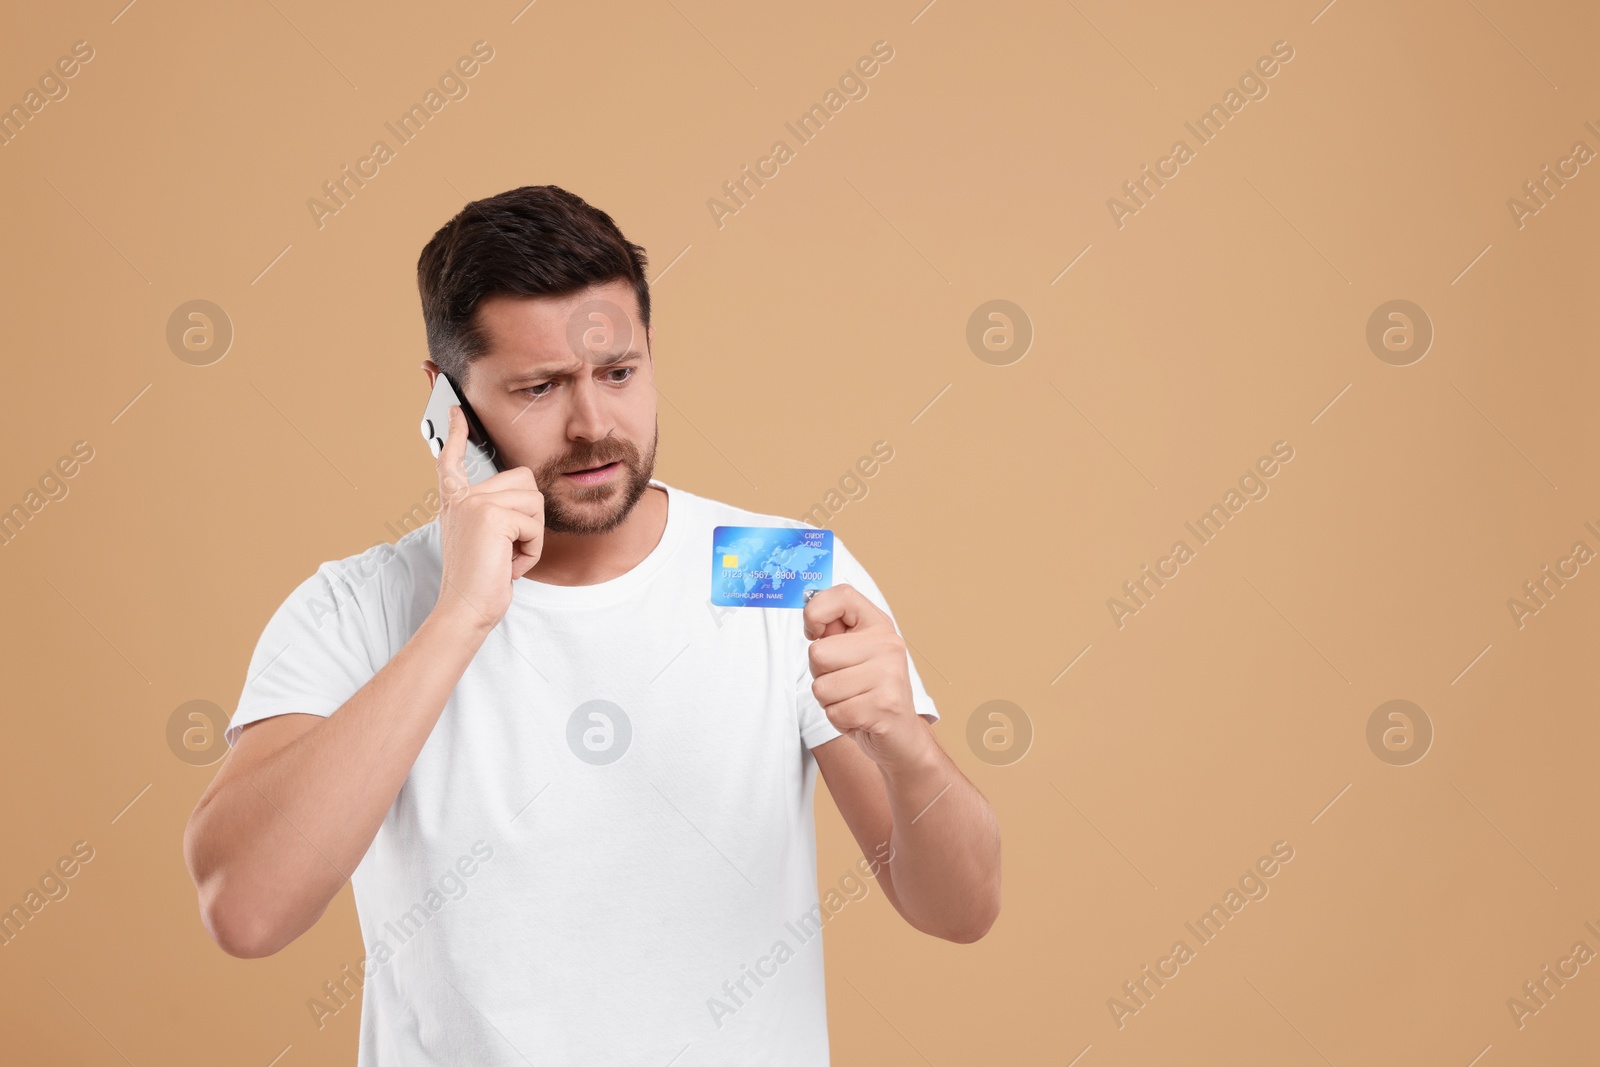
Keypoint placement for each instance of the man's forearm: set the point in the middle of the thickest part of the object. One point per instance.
(271, 846)
(946, 841)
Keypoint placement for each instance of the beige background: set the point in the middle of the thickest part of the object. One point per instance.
(1228, 314)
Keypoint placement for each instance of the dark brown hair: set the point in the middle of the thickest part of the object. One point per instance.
(539, 240)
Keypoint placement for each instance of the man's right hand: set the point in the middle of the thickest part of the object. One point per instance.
(491, 533)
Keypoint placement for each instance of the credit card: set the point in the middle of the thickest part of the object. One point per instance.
(769, 566)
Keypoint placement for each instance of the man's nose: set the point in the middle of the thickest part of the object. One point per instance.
(588, 418)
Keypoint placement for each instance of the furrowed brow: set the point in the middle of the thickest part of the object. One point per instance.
(560, 370)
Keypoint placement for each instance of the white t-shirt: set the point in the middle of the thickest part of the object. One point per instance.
(605, 851)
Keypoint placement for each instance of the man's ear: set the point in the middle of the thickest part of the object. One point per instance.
(431, 369)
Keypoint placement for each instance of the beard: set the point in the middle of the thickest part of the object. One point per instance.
(570, 508)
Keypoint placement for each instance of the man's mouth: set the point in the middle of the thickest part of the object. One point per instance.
(594, 475)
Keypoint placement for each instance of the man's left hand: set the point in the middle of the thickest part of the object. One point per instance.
(861, 677)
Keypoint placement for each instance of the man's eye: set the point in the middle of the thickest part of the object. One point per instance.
(543, 388)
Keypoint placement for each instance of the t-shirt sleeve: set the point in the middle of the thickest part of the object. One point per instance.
(316, 650)
(815, 729)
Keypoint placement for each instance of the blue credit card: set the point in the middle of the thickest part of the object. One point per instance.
(769, 566)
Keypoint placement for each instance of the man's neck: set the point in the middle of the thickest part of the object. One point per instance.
(587, 559)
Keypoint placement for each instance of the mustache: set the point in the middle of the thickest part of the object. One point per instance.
(621, 452)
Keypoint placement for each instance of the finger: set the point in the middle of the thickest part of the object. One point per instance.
(452, 470)
(527, 501)
(522, 563)
(510, 478)
(520, 513)
(843, 684)
(834, 627)
(859, 712)
(842, 603)
(519, 510)
(835, 652)
(525, 531)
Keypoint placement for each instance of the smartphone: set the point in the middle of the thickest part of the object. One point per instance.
(480, 458)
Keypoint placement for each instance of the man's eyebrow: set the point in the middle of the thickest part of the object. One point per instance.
(557, 369)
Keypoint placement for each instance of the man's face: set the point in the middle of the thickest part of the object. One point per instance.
(568, 385)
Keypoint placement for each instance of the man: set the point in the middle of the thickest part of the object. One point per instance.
(573, 796)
